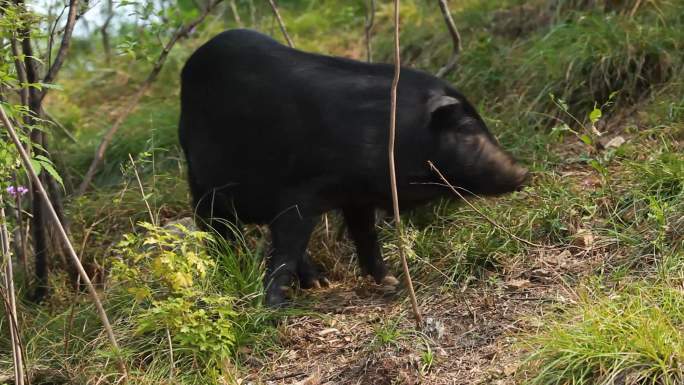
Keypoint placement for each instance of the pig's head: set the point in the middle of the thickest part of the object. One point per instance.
(468, 154)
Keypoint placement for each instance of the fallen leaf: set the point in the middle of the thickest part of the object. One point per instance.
(327, 331)
(615, 142)
(518, 284)
(583, 238)
(541, 275)
(555, 260)
(510, 369)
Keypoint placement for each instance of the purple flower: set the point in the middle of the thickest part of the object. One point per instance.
(14, 191)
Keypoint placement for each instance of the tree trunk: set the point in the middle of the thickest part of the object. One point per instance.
(104, 31)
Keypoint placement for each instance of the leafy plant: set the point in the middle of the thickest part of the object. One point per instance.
(165, 271)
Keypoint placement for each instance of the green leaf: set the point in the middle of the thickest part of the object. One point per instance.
(51, 170)
(43, 158)
(186, 5)
(36, 166)
(595, 115)
(598, 167)
(586, 139)
(52, 86)
(560, 128)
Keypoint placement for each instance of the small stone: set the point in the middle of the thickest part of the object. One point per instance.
(434, 328)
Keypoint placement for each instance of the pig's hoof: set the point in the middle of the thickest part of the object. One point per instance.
(310, 275)
(389, 280)
(276, 296)
(316, 282)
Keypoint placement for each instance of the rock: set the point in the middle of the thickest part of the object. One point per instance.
(434, 328)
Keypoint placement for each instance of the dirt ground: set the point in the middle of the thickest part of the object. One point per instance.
(474, 334)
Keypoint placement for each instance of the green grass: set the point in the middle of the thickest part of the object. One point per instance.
(631, 337)
(626, 324)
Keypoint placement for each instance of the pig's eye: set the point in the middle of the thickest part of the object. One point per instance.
(467, 124)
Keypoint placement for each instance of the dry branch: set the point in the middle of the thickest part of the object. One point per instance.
(64, 46)
(61, 232)
(21, 71)
(11, 305)
(236, 14)
(635, 9)
(393, 173)
(370, 21)
(281, 23)
(181, 32)
(455, 39)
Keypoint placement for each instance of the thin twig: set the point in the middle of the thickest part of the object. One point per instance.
(61, 232)
(142, 190)
(236, 14)
(133, 102)
(483, 215)
(59, 125)
(173, 362)
(634, 10)
(21, 239)
(455, 39)
(51, 36)
(12, 308)
(393, 173)
(14, 325)
(281, 23)
(370, 21)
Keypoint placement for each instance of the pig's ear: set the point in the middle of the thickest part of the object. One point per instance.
(441, 102)
(441, 109)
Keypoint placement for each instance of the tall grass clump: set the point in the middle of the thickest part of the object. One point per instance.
(633, 337)
(579, 55)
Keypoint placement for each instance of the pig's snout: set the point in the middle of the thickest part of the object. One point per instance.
(521, 176)
(505, 173)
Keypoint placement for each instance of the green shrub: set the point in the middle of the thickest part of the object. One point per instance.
(165, 270)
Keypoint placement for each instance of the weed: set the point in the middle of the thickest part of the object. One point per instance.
(387, 333)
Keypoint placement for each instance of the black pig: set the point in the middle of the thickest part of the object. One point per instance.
(277, 136)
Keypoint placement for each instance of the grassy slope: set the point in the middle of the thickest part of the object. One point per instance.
(615, 214)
